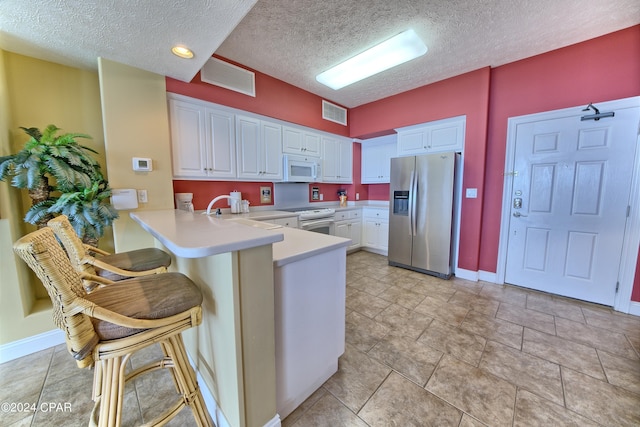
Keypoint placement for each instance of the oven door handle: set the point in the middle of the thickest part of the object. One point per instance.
(323, 221)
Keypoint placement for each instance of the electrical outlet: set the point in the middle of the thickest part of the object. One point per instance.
(142, 196)
(357, 196)
(321, 197)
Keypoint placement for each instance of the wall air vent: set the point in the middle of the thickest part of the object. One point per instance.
(228, 76)
(334, 113)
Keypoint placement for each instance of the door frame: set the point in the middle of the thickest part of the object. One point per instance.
(631, 242)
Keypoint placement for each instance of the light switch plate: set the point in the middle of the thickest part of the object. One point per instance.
(472, 193)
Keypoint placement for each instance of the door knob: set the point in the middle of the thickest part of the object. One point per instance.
(518, 215)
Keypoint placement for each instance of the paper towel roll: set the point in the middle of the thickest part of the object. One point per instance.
(235, 195)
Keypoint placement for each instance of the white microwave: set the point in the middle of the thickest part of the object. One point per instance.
(301, 169)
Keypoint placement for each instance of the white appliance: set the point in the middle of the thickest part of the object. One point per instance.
(301, 168)
(318, 220)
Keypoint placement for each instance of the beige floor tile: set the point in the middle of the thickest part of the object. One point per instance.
(402, 297)
(362, 332)
(404, 321)
(453, 341)
(505, 293)
(74, 394)
(466, 286)
(530, 318)
(602, 402)
(24, 422)
(399, 402)
(328, 412)
(621, 371)
(400, 280)
(449, 313)
(480, 394)
(552, 305)
(493, 329)
(469, 421)
(564, 352)
(529, 372)
(441, 289)
(613, 321)
(532, 410)
(599, 338)
(304, 407)
(485, 306)
(371, 286)
(635, 342)
(366, 304)
(357, 378)
(408, 357)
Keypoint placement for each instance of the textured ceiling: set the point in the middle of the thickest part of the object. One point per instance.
(297, 39)
(139, 33)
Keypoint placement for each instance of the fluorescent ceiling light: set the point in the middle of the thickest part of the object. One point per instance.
(394, 51)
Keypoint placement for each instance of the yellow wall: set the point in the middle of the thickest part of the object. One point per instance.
(36, 93)
(136, 124)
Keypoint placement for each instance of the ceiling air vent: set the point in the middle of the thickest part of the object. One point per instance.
(334, 113)
(228, 76)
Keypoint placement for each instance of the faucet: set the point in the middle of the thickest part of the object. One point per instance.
(215, 199)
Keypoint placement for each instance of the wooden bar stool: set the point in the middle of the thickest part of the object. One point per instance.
(118, 266)
(106, 326)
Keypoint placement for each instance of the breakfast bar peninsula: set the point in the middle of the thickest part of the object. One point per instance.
(273, 311)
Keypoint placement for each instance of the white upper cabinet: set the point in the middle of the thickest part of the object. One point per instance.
(202, 141)
(259, 149)
(376, 159)
(299, 141)
(433, 137)
(337, 160)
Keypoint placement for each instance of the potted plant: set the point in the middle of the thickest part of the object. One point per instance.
(79, 189)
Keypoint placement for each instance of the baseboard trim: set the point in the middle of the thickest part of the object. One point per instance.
(33, 344)
(466, 274)
(634, 308)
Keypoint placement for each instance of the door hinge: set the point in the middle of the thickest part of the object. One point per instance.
(617, 286)
(628, 210)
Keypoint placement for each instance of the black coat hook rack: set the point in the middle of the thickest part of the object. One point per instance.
(597, 116)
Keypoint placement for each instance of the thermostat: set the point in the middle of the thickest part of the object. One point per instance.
(142, 164)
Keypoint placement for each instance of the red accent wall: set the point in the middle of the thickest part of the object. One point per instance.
(467, 94)
(204, 191)
(601, 69)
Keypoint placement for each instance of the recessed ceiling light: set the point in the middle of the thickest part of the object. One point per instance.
(182, 52)
(394, 51)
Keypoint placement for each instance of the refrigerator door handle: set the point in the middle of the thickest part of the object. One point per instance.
(412, 208)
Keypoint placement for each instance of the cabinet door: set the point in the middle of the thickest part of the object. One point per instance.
(342, 229)
(412, 142)
(446, 137)
(271, 136)
(383, 235)
(356, 233)
(370, 232)
(330, 159)
(345, 167)
(248, 147)
(188, 139)
(221, 146)
(292, 140)
(376, 162)
(312, 146)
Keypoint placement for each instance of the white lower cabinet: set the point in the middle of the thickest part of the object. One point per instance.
(375, 229)
(291, 222)
(349, 225)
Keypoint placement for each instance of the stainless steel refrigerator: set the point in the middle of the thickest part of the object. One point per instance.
(421, 213)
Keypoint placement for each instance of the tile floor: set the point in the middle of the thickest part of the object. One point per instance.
(420, 352)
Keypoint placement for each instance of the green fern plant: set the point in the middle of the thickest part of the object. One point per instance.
(88, 210)
(52, 163)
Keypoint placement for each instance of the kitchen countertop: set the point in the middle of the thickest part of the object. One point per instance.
(193, 235)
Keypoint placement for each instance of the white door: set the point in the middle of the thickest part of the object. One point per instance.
(569, 203)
